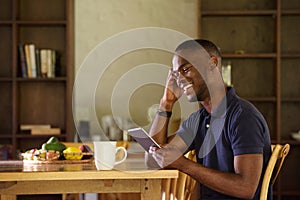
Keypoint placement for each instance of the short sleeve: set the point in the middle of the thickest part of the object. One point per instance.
(188, 129)
(248, 135)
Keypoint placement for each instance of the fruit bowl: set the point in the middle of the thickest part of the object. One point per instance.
(40, 155)
(54, 151)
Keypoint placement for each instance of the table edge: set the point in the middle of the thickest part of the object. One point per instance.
(88, 175)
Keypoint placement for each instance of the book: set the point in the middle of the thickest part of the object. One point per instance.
(45, 131)
(32, 60)
(53, 63)
(44, 66)
(38, 63)
(24, 127)
(28, 60)
(48, 62)
(22, 61)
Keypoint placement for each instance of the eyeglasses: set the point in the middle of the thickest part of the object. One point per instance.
(182, 71)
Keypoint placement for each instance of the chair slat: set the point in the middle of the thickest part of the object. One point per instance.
(279, 153)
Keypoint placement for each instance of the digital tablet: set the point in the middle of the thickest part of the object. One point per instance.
(143, 138)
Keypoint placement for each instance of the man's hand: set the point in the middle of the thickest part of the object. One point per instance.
(168, 156)
(171, 93)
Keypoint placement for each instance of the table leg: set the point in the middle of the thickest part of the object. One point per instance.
(8, 197)
(151, 189)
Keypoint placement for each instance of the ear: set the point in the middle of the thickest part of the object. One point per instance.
(214, 59)
(212, 64)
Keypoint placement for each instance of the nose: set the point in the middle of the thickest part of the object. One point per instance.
(180, 78)
(177, 74)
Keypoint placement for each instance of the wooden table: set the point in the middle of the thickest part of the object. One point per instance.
(18, 178)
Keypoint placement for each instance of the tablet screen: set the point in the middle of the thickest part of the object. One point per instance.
(143, 138)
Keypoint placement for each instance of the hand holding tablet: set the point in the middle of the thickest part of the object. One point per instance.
(143, 138)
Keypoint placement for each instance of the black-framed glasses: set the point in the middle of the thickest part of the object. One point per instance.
(182, 71)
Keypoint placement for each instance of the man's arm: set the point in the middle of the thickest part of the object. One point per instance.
(242, 184)
(159, 127)
(159, 132)
(160, 124)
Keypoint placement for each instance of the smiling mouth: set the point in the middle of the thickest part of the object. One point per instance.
(187, 87)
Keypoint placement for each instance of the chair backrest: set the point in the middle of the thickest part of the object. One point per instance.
(182, 187)
(279, 152)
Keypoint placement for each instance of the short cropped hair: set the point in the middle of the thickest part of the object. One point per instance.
(209, 46)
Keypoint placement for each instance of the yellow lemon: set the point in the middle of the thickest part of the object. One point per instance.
(72, 153)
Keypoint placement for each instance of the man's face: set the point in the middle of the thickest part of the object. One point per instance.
(187, 76)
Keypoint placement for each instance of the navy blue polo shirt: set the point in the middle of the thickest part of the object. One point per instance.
(235, 128)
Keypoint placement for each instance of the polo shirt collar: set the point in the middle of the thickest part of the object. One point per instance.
(221, 109)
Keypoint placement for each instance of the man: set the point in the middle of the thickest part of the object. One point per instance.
(230, 136)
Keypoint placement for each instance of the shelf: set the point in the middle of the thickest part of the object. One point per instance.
(3, 79)
(6, 22)
(28, 136)
(5, 107)
(291, 12)
(261, 40)
(47, 24)
(41, 10)
(261, 99)
(6, 9)
(249, 55)
(4, 136)
(290, 99)
(32, 22)
(249, 12)
(6, 51)
(41, 79)
(238, 13)
(290, 55)
(257, 42)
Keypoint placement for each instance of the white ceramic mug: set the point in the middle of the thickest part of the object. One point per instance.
(105, 154)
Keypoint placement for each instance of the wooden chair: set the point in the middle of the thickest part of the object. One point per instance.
(182, 187)
(279, 152)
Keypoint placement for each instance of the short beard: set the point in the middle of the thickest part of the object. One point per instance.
(192, 97)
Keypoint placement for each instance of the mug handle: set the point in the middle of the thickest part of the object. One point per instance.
(125, 154)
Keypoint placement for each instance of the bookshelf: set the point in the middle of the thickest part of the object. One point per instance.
(47, 24)
(266, 73)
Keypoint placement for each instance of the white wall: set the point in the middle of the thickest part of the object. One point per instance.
(97, 20)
